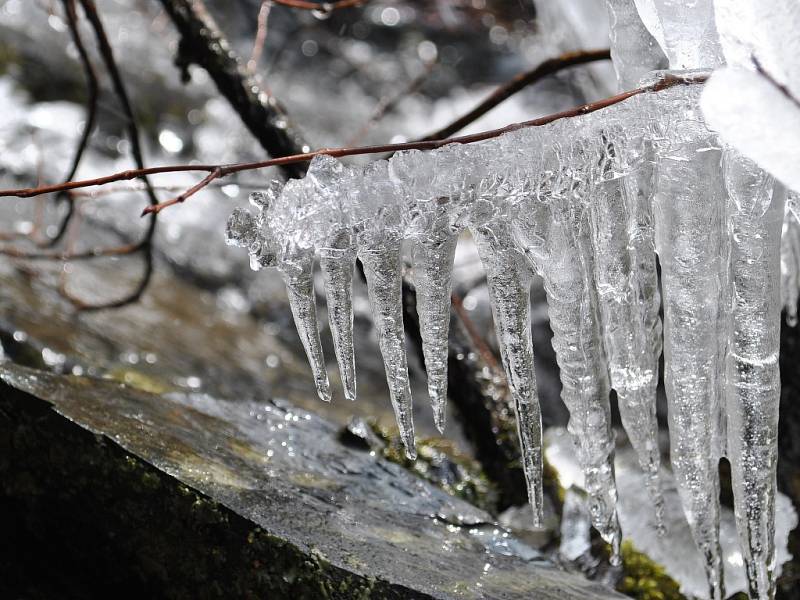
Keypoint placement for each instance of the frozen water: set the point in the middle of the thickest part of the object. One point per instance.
(558, 200)
(689, 205)
(634, 50)
(686, 31)
(753, 381)
(587, 203)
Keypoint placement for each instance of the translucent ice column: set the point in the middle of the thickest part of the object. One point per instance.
(685, 30)
(689, 200)
(753, 379)
(627, 290)
(634, 51)
(509, 280)
(330, 186)
(553, 232)
(691, 240)
(427, 224)
(379, 241)
(627, 280)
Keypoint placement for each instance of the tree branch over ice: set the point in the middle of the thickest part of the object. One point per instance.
(217, 171)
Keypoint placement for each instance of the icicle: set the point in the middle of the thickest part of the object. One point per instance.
(634, 51)
(425, 222)
(297, 271)
(685, 31)
(690, 237)
(433, 266)
(337, 261)
(572, 306)
(627, 280)
(753, 380)
(552, 230)
(689, 230)
(629, 322)
(509, 281)
(382, 266)
(790, 266)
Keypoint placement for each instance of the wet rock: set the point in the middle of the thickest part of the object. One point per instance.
(181, 494)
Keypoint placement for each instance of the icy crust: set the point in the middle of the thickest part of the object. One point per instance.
(586, 203)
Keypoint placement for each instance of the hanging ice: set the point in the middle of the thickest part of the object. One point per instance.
(566, 264)
(585, 203)
(753, 395)
(634, 51)
(623, 237)
(434, 251)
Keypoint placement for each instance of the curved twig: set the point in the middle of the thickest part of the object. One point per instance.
(93, 90)
(549, 67)
(145, 245)
(323, 7)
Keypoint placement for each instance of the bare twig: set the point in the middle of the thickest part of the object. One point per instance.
(261, 36)
(93, 91)
(781, 87)
(521, 81)
(133, 187)
(67, 255)
(203, 44)
(323, 7)
(387, 103)
(145, 244)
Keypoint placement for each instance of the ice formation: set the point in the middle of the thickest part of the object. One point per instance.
(587, 203)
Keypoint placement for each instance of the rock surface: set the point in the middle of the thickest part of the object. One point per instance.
(195, 496)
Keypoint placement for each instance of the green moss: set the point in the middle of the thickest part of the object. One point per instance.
(644, 579)
(8, 57)
(440, 462)
(139, 380)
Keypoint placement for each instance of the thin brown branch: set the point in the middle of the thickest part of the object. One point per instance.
(387, 103)
(227, 169)
(521, 81)
(475, 337)
(203, 44)
(215, 174)
(145, 245)
(222, 170)
(66, 255)
(93, 90)
(783, 89)
(323, 7)
(261, 36)
(133, 187)
(129, 298)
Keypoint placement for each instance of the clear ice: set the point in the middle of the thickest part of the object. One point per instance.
(591, 204)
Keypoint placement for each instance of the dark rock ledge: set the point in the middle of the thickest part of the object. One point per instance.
(111, 491)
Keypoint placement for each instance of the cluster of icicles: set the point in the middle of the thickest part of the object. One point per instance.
(587, 203)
